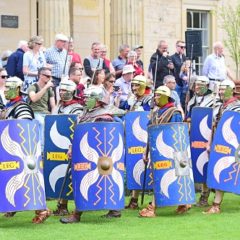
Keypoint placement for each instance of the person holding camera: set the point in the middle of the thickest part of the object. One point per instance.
(124, 83)
(41, 97)
(161, 64)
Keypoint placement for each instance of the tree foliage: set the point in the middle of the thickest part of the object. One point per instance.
(230, 22)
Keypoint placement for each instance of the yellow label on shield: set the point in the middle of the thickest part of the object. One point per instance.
(10, 165)
(136, 150)
(162, 165)
(57, 156)
(222, 149)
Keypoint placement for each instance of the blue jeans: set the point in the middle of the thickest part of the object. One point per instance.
(40, 117)
(182, 92)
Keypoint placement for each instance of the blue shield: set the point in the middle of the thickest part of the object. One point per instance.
(224, 162)
(58, 136)
(172, 173)
(136, 141)
(201, 133)
(21, 166)
(98, 166)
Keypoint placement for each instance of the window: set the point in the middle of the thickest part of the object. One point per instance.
(200, 20)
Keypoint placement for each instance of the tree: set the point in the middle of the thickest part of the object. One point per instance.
(230, 22)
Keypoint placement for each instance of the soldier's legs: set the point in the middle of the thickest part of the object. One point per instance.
(150, 210)
(112, 214)
(9, 214)
(183, 208)
(73, 218)
(62, 209)
(203, 200)
(133, 204)
(41, 216)
(215, 208)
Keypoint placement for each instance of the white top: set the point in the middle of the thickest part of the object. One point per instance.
(214, 67)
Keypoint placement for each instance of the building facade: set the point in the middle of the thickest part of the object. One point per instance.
(112, 22)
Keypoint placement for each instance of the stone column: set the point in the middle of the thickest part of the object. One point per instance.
(53, 18)
(126, 23)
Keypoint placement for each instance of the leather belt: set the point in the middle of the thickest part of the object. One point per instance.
(217, 80)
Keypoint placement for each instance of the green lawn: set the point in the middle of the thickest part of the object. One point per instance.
(166, 226)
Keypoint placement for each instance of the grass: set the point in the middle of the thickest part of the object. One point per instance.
(166, 226)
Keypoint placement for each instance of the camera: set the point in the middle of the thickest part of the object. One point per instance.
(116, 88)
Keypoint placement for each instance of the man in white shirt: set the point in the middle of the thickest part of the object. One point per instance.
(214, 66)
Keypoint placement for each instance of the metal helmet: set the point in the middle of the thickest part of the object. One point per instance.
(70, 88)
(142, 82)
(226, 89)
(94, 95)
(67, 85)
(164, 97)
(13, 82)
(163, 90)
(227, 83)
(12, 87)
(202, 80)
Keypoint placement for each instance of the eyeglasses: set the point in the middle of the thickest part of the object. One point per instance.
(38, 43)
(4, 77)
(182, 47)
(111, 81)
(47, 76)
(81, 69)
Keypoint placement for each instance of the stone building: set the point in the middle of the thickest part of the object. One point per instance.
(112, 22)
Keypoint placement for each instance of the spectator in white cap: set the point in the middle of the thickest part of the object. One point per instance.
(138, 50)
(124, 82)
(56, 57)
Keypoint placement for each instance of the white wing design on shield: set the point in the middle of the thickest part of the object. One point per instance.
(38, 150)
(88, 152)
(222, 164)
(41, 180)
(59, 140)
(117, 177)
(168, 178)
(116, 156)
(228, 135)
(88, 180)
(163, 148)
(204, 129)
(118, 151)
(201, 161)
(57, 173)
(138, 170)
(140, 134)
(13, 185)
(91, 155)
(10, 145)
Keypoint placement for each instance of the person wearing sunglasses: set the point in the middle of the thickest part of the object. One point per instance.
(33, 60)
(3, 78)
(41, 97)
(178, 58)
